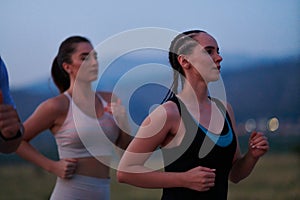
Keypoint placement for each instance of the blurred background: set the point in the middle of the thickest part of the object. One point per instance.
(259, 42)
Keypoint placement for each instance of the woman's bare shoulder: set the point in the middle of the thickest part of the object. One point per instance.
(171, 110)
(56, 104)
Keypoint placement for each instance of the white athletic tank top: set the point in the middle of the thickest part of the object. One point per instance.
(84, 136)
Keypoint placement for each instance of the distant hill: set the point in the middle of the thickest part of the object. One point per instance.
(254, 89)
(270, 88)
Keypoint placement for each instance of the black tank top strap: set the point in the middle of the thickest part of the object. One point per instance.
(174, 99)
(219, 104)
(222, 107)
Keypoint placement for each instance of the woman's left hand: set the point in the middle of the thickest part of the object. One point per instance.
(258, 144)
(119, 113)
(116, 108)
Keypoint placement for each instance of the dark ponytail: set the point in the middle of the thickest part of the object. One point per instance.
(60, 77)
(181, 44)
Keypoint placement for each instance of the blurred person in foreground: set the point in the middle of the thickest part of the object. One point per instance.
(11, 129)
(195, 131)
(83, 123)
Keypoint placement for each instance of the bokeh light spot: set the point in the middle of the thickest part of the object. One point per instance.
(273, 124)
(250, 125)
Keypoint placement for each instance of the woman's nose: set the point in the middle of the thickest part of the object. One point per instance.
(218, 58)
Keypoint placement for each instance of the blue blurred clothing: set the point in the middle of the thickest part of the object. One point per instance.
(7, 145)
(4, 84)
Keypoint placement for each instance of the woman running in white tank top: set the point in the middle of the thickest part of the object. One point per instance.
(82, 124)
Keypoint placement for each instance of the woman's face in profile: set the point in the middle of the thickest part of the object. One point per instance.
(85, 63)
(205, 57)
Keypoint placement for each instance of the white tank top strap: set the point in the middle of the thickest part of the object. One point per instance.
(68, 95)
(104, 103)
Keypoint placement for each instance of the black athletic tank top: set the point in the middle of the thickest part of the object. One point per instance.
(199, 147)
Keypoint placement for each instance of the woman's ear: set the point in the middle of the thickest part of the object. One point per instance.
(67, 67)
(183, 61)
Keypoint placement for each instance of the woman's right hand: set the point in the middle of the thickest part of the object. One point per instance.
(65, 168)
(9, 120)
(200, 178)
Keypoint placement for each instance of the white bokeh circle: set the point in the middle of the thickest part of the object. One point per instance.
(110, 50)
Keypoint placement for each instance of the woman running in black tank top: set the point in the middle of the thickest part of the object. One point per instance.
(219, 158)
(196, 133)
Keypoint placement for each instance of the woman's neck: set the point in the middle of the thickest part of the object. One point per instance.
(81, 90)
(198, 92)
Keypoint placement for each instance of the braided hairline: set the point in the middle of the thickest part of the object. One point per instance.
(179, 45)
(182, 42)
